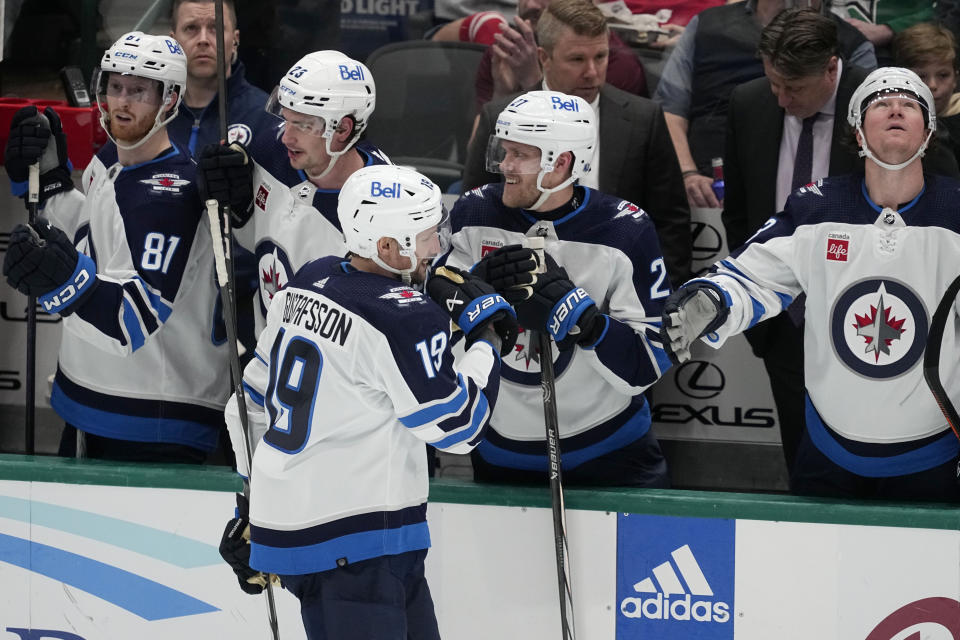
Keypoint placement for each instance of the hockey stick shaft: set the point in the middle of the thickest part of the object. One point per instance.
(30, 400)
(552, 426)
(223, 252)
(931, 356)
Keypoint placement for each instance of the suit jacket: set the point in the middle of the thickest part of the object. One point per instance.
(637, 163)
(754, 131)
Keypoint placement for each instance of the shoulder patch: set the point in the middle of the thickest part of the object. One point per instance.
(404, 296)
(626, 208)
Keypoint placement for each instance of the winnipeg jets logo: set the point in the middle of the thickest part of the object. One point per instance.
(273, 276)
(526, 349)
(239, 133)
(879, 328)
(165, 182)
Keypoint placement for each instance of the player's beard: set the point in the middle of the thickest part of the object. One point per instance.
(521, 195)
(131, 132)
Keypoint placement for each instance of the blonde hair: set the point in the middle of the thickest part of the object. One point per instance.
(580, 16)
(925, 43)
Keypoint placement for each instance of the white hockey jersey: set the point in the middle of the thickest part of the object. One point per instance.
(610, 248)
(352, 375)
(873, 278)
(137, 359)
(293, 221)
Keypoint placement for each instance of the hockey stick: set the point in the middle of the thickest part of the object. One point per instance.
(33, 197)
(548, 386)
(931, 356)
(223, 257)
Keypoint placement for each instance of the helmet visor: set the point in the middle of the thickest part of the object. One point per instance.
(507, 156)
(299, 122)
(435, 241)
(888, 98)
(133, 88)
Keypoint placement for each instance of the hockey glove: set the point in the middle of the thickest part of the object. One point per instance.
(561, 308)
(235, 549)
(225, 174)
(38, 137)
(41, 261)
(473, 306)
(695, 309)
(510, 270)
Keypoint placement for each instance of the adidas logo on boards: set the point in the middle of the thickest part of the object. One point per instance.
(666, 605)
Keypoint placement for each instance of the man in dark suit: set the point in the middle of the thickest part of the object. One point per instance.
(807, 86)
(635, 159)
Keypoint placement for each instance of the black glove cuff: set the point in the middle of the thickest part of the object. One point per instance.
(55, 181)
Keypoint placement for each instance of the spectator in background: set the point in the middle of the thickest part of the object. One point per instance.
(198, 121)
(886, 18)
(930, 51)
(635, 160)
(597, 245)
(511, 63)
(717, 52)
(874, 253)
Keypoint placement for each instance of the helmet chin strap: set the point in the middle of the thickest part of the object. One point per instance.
(405, 274)
(334, 155)
(546, 192)
(866, 152)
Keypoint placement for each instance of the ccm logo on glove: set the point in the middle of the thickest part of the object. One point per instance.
(56, 300)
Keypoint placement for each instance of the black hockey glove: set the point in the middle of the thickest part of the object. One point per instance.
(225, 174)
(693, 310)
(38, 137)
(508, 270)
(473, 306)
(235, 549)
(41, 261)
(564, 310)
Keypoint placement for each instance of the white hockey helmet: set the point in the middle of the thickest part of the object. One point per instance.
(553, 122)
(891, 82)
(330, 86)
(159, 58)
(394, 202)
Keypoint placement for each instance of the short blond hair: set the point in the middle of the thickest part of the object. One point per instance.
(580, 16)
(925, 43)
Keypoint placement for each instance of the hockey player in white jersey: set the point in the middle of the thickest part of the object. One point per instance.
(138, 370)
(600, 300)
(874, 253)
(353, 373)
(289, 215)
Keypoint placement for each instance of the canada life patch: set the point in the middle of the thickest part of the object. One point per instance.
(489, 246)
(838, 246)
(261, 198)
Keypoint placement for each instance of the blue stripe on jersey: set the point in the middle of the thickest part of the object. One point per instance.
(632, 430)
(477, 421)
(451, 405)
(261, 359)
(156, 300)
(758, 311)
(619, 353)
(132, 324)
(353, 548)
(135, 295)
(91, 418)
(935, 453)
(256, 397)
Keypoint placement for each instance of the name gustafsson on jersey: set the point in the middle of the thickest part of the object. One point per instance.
(332, 323)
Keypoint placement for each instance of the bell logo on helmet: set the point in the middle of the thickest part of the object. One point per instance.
(174, 47)
(564, 105)
(346, 73)
(377, 190)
